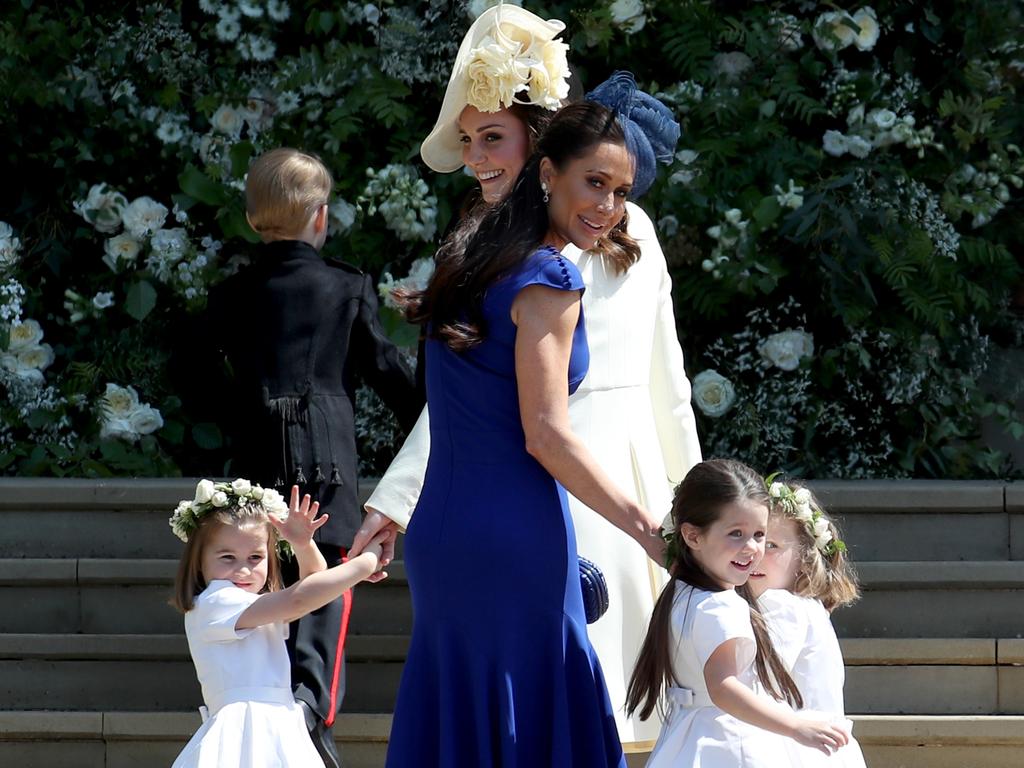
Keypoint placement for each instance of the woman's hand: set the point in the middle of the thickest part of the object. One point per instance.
(820, 735)
(301, 523)
(378, 530)
(654, 545)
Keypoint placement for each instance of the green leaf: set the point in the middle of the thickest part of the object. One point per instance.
(767, 211)
(240, 153)
(198, 185)
(207, 435)
(141, 300)
(234, 224)
(173, 432)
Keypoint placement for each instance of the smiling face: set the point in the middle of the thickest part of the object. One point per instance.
(782, 559)
(238, 555)
(587, 195)
(495, 147)
(731, 547)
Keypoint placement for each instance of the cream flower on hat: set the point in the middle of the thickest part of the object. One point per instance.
(508, 56)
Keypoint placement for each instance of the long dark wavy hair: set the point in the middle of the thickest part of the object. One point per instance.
(699, 500)
(493, 240)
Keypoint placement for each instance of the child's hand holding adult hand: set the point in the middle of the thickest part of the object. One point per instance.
(378, 546)
(300, 525)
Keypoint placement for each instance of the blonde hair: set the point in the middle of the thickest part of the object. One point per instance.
(283, 189)
(825, 576)
(189, 580)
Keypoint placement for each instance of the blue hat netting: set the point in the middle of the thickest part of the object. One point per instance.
(650, 127)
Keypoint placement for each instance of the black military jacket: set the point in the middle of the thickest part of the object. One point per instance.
(296, 330)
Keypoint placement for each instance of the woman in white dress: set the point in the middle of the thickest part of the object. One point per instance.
(633, 409)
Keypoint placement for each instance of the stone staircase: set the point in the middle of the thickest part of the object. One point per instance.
(94, 668)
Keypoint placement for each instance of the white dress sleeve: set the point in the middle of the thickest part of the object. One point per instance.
(720, 617)
(789, 624)
(218, 610)
(670, 389)
(398, 491)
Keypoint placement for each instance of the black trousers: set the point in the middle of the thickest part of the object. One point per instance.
(316, 645)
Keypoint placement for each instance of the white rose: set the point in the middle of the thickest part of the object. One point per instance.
(120, 250)
(204, 491)
(219, 499)
(802, 496)
(9, 246)
(145, 420)
(118, 428)
(838, 24)
(882, 118)
(39, 357)
(27, 333)
(822, 534)
(858, 146)
(785, 349)
(834, 143)
(227, 120)
(120, 402)
(143, 216)
(241, 486)
(103, 208)
(256, 493)
(495, 75)
(629, 15)
(867, 21)
(776, 490)
(804, 513)
(713, 393)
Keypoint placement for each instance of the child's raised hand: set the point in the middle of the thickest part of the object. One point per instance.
(818, 734)
(302, 521)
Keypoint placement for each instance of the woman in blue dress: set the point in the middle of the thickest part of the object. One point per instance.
(500, 671)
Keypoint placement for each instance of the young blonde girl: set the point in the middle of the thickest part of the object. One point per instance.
(803, 577)
(236, 619)
(707, 650)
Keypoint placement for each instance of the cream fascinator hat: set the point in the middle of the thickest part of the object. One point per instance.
(509, 56)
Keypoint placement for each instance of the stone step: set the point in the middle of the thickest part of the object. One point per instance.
(883, 520)
(936, 599)
(130, 739)
(153, 672)
(912, 599)
(40, 595)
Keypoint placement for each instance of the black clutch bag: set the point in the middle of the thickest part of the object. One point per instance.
(595, 590)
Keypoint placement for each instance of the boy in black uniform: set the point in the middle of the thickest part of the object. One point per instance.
(295, 329)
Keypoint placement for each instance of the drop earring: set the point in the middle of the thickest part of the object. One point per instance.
(544, 188)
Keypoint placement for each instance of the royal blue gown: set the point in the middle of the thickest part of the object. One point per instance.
(500, 671)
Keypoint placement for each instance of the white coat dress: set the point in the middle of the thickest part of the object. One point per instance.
(633, 412)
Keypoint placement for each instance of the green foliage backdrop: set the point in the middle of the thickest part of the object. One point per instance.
(842, 219)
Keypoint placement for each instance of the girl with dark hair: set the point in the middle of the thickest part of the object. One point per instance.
(707, 645)
(500, 670)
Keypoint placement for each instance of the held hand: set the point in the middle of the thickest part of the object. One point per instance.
(820, 735)
(376, 547)
(652, 542)
(302, 521)
(375, 523)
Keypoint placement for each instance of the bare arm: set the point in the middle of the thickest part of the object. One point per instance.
(730, 695)
(546, 318)
(310, 593)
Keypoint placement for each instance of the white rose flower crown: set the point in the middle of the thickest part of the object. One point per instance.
(211, 496)
(798, 505)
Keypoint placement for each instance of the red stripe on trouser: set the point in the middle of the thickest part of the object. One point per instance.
(342, 634)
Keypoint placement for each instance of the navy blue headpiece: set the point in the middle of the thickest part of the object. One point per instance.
(650, 127)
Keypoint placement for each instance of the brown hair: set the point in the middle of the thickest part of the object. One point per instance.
(493, 240)
(825, 576)
(189, 580)
(283, 189)
(699, 500)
